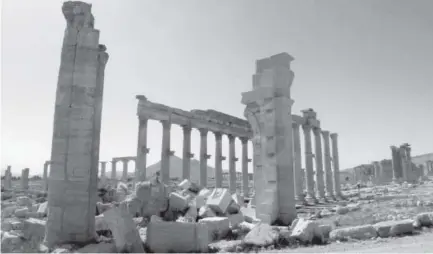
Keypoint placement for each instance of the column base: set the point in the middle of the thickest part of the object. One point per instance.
(311, 200)
(322, 200)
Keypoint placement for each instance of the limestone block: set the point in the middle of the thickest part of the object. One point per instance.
(35, 215)
(178, 202)
(218, 227)
(306, 230)
(246, 226)
(100, 223)
(143, 191)
(394, 228)
(8, 211)
(206, 211)
(10, 242)
(35, 207)
(358, 232)
(238, 199)
(34, 229)
(123, 228)
(164, 237)
(219, 200)
(24, 201)
(202, 197)
(233, 208)
(249, 214)
(185, 184)
(235, 219)
(424, 219)
(102, 247)
(21, 212)
(325, 229)
(133, 205)
(261, 235)
(43, 208)
(192, 212)
(158, 201)
(155, 218)
(342, 210)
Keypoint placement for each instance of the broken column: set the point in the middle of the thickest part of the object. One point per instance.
(268, 109)
(403, 163)
(297, 165)
(8, 178)
(328, 170)
(186, 160)
(396, 164)
(319, 164)
(165, 152)
(25, 179)
(232, 164)
(336, 164)
(75, 148)
(45, 176)
(218, 160)
(203, 157)
(142, 150)
(309, 173)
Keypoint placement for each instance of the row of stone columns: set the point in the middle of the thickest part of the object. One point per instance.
(324, 182)
(166, 152)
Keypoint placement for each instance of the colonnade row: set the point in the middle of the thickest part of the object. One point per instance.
(401, 162)
(24, 179)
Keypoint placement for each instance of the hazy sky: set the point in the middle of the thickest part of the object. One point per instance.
(365, 66)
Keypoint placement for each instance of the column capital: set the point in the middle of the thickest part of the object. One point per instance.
(235, 159)
(334, 135)
(325, 133)
(231, 137)
(244, 140)
(186, 128)
(166, 124)
(145, 150)
(306, 127)
(295, 125)
(218, 135)
(203, 131)
(103, 162)
(317, 131)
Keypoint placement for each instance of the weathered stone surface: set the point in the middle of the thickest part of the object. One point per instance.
(178, 202)
(10, 242)
(342, 210)
(177, 237)
(34, 229)
(235, 219)
(325, 229)
(424, 219)
(101, 223)
(192, 212)
(206, 211)
(143, 191)
(8, 211)
(249, 214)
(357, 232)
(43, 208)
(202, 197)
(261, 235)
(394, 228)
(102, 247)
(24, 201)
(158, 201)
(124, 230)
(219, 200)
(21, 212)
(218, 227)
(306, 230)
(133, 205)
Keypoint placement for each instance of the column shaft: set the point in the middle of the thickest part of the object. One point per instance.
(103, 169)
(142, 151)
(125, 170)
(245, 180)
(309, 173)
(25, 179)
(45, 176)
(113, 170)
(319, 164)
(218, 160)
(186, 153)
(165, 152)
(336, 163)
(203, 157)
(232, 164)
(297, 172)
(328, 169)
(403, 162)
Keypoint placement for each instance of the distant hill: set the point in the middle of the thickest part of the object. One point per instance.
(422, 159)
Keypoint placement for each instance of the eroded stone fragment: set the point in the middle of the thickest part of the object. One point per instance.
(358, 232)
(218, 227)
(261, 235)
(219, 200)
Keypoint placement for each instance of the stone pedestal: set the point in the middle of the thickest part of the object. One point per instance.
(186, 153)
(218, 160)
(329, 187)
(336, 164)
(297, 170)
(74, 160)
(165, 152)
(309, 173)
(25, 179)
(268, 111)
(319, 165)
(232, 164)
(203, 157)
(142, 151)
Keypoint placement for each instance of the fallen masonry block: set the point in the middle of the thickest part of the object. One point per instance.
(124, 231)
(21, 212)
(35, 207)
(249, 214)
(10, 242)
(100, 223)
(325, 229)
(185, 184)
(233, 208)
(358, 232)
(24, 201)
(143, 191)
(238, 199)
(192, 212)
(235, 219)
(133, 205)
(394, 228)
(202, 197)
(206, 211)
(8, 211)
(219, 200)
(218, 227)
(35, 215)
(261, 235)
(102, 247)
(342, 210)
(164, 237)
(178, 202)
(34, 229)
(307, 230)
(424, 219)
(43, 208)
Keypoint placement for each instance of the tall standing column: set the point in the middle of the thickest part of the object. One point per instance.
(218, 160)
(77, 121)
(409, 160)
(45, 176)
(319, 164)
(403, 163)
(203, 157)
(142, 151)
(328, 170)
(113, 170)
(186, 152)
(297, 171)
(394, 161)
(309, 173)
(103, 169)
(25, 179)
(232, 164)
(245, 160)
(336, 163)
(8, 178)
(165, 152)
(125, 170)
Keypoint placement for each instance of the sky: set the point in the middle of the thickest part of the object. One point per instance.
(365, 67)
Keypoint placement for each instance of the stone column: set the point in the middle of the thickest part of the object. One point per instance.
(297, 165)
(268, 110)
(125, 170)
(336, 163)
(142, 151)
(319, 165)
(395, 163)
(309, 173)
(165, 152)
(186, 153)
(203, 157)
(218, 160)
(403, 163)
(77, 120)
(328, 169)
(409, 159)
(103, 169)
(45, 176)
(8, 178)
(376, 173)
(232, 164)
(25, 179)
(245, 160)
(113, 170)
